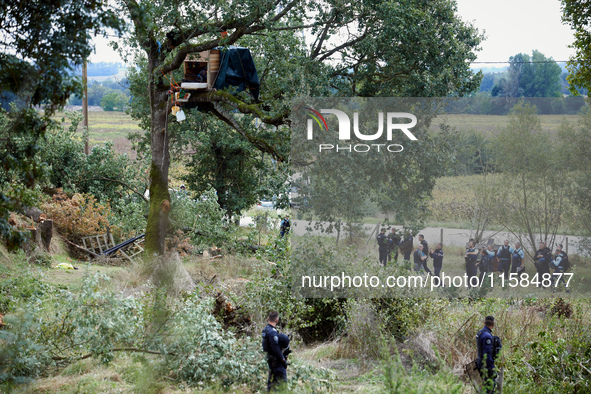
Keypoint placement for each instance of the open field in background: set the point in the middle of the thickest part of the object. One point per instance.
(452, 196)
(107, 126)
(491, 124)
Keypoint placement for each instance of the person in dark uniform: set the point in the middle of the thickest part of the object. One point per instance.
(486, 263)
(504, 254)
(383, 246)
(426, 252)
(470, 257)
(394, 240)
(275, 358)
(486, 353)
(542, 261)
(437, 256)
(285, 226)
(518, 259)
(406, 246)
(560, 264)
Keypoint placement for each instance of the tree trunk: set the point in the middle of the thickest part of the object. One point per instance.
(159, 196)
(45, 228)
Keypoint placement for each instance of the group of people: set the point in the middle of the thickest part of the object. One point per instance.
(389, 246)
(511, 259)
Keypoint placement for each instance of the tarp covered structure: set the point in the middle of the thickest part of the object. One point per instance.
(237, 69)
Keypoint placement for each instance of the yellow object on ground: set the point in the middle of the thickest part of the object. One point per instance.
(65, 266)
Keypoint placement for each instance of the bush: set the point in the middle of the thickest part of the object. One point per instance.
(79, 216)
(203, 218)
(21, 287)
(189, 343)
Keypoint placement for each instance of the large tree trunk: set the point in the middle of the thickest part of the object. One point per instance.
(159, 196)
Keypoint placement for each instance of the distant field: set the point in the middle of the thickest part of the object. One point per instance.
(492, 124)
(108, 126)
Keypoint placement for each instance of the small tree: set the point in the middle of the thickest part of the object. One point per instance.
(114, 101)
(534, 179)
(575, 140)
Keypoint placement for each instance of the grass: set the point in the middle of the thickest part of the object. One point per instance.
(105, 126)
(446, 335)
(490, 125)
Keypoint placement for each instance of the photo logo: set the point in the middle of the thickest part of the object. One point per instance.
(392, 119)
(317, 117)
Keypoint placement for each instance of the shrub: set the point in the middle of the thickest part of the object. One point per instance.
(79, 216)
(21, 288)
(189, 343)
(203, 218)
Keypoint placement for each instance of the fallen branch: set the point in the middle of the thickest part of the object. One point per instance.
(117, 349)
(91, 253)
(462, 326)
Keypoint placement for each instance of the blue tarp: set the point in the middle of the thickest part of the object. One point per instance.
(237, 69)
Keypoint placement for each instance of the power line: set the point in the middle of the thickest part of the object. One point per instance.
(538, 62)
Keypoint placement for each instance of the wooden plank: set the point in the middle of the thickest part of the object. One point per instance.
(98, 241)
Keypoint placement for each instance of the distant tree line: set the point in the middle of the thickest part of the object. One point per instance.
(110, 95)
(528, 76)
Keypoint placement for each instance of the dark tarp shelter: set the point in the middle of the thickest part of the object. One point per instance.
(237, 69)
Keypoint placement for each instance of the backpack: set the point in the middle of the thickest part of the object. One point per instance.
(496, 347)
(565, 263)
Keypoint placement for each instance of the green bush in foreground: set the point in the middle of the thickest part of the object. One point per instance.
(188, 343)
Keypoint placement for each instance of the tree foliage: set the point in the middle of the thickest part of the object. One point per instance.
(574, 138)
(534, 179)
(376, 48)
(42, 43)
(535, 76)
(114, 101)
(577, 14)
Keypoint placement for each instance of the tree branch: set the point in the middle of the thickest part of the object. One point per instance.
(236, 103)
(121, 183)
(259, 143)
(342, 46)
(320, 40)
(117, 349)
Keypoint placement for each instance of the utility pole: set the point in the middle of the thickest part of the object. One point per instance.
(85, 106)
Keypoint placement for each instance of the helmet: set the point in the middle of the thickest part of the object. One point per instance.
(283, 341)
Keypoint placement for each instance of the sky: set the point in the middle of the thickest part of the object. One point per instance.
(510, 26)
(518, 26)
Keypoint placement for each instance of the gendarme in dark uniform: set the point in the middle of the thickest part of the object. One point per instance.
(275, 359)
(485, 361)
(383, 246)
(425, 251)
(542, 261)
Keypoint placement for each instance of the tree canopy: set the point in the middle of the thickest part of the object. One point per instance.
(375, 48)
